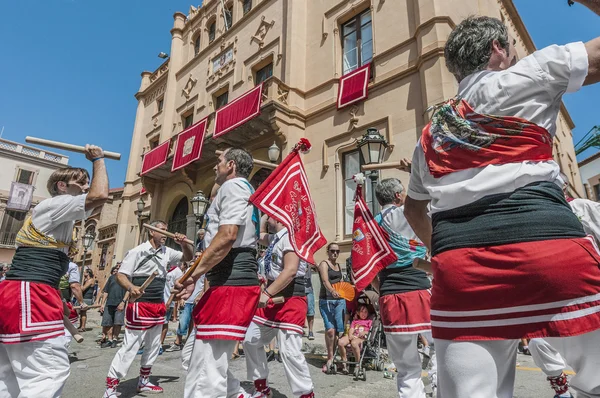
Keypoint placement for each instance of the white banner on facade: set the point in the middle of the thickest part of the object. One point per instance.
(20, 196)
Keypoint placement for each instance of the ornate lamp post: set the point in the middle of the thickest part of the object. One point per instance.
(88, 241)
(372, 147)
(199, 206)
(274, 152)
(141, 205)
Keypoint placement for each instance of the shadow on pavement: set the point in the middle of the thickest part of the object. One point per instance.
(128, 388)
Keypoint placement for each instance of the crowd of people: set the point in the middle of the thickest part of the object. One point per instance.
(476, 214)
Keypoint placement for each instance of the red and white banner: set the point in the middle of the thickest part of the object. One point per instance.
(285, 197)
(189, 145)
(238, 112)
(371, 251)
(155, 158)
(354, 86)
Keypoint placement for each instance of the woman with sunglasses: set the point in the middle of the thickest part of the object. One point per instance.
(330, 304)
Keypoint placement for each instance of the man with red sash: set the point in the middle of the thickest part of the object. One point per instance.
(145, 317)
(285, 275)
(225, 311)
(510, 259)
(33, 355)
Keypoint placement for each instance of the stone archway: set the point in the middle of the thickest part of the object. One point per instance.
(178, 221)
(259, 177)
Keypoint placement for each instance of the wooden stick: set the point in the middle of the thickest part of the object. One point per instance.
(403, 165)
(89, 307)
(262, 163)
(423, 265)
(74, 332)
(184, 278)
(166, 233)
(146, 283)
(68, 147)
(278, 300)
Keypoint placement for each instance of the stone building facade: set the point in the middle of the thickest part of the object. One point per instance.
(299, 50)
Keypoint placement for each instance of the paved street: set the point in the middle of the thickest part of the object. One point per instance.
(90, 364)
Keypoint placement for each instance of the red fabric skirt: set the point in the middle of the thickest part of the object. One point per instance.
(289, 315)
(546, 288)
(29, 311)
(143, 316)
(225, 312)
(405, 313)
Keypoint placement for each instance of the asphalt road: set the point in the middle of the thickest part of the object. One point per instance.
(90, 365)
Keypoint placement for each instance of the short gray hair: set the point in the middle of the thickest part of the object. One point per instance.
(155, 223)
(387, 189)
(469, 46)
(242, 159)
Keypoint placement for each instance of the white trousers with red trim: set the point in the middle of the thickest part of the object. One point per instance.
(34, 368)
(186, 351)
(131, 344)
(290, 350)
(546, 357)
(403, 352)
(486, 369)
(208, 371)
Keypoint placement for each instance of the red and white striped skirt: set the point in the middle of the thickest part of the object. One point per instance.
(29, 311)
(73, 315)
(405, 313)
(546, 288)
(289, 315)
(143, 316)
(224, 312)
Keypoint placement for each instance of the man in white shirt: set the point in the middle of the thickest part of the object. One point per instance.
(33, 356)
(501, 232)
(145, 317)
(225, 311)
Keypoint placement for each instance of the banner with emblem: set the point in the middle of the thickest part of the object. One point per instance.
(20, 196)
(189, 145)
(371, 251)
(285, 197)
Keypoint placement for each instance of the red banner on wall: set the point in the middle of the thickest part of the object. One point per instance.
(155, 158)
(238, 112)
(354, 86)
(188, 148)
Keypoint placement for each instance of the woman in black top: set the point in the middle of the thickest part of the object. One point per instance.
(330, 304)
(88, 296)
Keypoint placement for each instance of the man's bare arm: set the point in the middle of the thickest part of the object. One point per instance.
(98, 193)
(415, 212)
(77, 292)
(592, 47)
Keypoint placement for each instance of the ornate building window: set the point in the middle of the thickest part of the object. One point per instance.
(212, 30)
(228, 16)
(221, 100)
(264, 73)
(178, 222)
(351, 166)
(197, 45)
(357, 42)
(246, 6)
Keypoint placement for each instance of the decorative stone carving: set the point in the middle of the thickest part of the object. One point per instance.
(164, 68)
(261, 32)
(189, 86)
(353, 118)
(282, 94)
(155, 122)
(154, 94)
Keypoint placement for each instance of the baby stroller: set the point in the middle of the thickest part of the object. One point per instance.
(371, 354)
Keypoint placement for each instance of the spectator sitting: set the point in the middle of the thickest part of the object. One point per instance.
(356, 335)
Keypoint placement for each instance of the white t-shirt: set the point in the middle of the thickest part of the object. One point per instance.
(73, 273)
(56, 216)
(588, 213)
(161, 260)
(282, 245)
(231, 207)
(395, 220)
(172, 277)
(531, 89)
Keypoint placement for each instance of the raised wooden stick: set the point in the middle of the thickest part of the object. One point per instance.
(68, 147)
(146, 283)
(403, 165)
(89, 307)
(166, 233)
(262, 163)
(74, 332)
(184, 278)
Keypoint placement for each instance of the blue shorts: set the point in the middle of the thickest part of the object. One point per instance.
(168, 314)
(332, 312)
(310, 299)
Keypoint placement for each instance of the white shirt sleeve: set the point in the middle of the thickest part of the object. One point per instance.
(416, 189)
(175, 256)
(564, 67)
(74, 276)
(67, 208)
(234, 203)
(588, 213)
(128, 263)
(286, 245)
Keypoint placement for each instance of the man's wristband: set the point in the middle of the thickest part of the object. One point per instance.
(124, 301)
(101, 157)
(267, 293)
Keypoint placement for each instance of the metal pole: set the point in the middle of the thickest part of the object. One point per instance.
(83, 266)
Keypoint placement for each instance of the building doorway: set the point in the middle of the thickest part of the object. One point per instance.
(178, 222)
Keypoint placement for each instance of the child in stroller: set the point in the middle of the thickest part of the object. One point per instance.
(359, 329)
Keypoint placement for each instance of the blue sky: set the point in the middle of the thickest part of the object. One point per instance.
(69, 68)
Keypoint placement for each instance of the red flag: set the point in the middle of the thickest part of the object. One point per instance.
(371, 251)
(285, 197)
(354, 86)
(155, 158)
(189, 145)
(238, 111)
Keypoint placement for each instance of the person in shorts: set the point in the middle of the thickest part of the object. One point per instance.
(112, 306)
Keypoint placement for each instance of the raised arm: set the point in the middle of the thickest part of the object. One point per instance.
(98, 193)
(592, 47)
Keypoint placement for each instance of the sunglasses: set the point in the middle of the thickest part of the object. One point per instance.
(334, 251)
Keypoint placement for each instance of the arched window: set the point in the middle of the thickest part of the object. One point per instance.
(246, 6)
(212, 30)
(178, 222)
(197, 45)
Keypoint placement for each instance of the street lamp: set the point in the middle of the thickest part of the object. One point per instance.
(274, 152)
(199, 206)
(141, 205)
(88, 241)
(372, 146)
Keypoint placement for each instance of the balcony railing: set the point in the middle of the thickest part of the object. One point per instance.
(33, 152)
(7, 238)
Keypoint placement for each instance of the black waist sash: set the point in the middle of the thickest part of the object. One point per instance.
(238, 268)
(297, 287)
(34, 264)
(154, 293)
(538, 211)
(402, 280)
